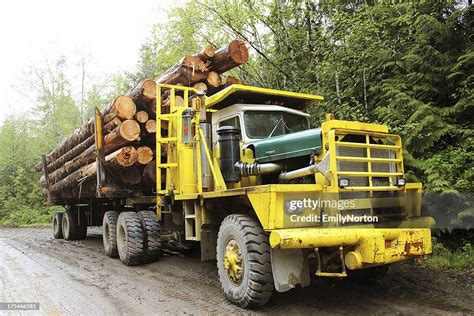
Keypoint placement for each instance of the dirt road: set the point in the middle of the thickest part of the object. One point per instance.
(77, 278)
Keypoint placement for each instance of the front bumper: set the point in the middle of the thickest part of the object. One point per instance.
(366, 246)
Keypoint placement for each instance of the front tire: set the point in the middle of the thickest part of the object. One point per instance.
(130, 239)
(243, 261)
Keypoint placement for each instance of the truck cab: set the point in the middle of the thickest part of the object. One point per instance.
(259, 121)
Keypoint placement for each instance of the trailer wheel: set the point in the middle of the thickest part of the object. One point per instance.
(130, 239)
(57, 225)
(151, 235)
(109, 233)
(69, 225)
(243, 261)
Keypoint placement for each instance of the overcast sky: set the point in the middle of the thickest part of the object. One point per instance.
(108, 33)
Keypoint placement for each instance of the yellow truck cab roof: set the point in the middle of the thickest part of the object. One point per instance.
(237, 93)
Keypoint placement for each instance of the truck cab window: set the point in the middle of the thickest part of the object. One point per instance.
(233, 121)
(262, 124)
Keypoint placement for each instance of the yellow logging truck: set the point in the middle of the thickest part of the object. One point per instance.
(272, 200)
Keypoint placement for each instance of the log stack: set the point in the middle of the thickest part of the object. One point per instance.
(129, 128)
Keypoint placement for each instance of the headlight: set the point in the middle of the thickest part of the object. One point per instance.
(401, 182)
(344, 183)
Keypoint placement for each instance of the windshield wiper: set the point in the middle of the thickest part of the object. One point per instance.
(274, 129)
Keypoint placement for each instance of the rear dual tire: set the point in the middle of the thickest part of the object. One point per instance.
(66, 225)
(138, 237)
(109, 233)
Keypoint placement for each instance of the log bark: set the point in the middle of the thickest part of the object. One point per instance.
(213, 79)
(79, 135)
(232, 80)
(129, 176)
(79, 148)
(189, 70)
(207, 52)
(145, 155)
(200, 86)
(122, 107)
(115, 159)
(144, 94)
(230, 56)
(127, 132)
(149, 172)
(141, 116)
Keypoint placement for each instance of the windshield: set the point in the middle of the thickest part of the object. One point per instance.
(263, 124)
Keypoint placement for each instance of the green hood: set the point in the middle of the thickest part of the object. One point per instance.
(287, 146)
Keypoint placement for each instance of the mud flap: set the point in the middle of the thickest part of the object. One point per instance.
(290, 268)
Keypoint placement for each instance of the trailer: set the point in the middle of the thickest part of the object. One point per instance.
(242, 174)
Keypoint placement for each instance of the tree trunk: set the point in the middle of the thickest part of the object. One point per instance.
(128, 131)
(141, 116)
(145, 155)
(122, 107)
(232, 80)
(125, 133)
(150, 171)
(200, 86)
(213, 79)
(130, 176)
(116, 159)
(187, 71)
(81, 147)
(230, 56)
(207, 52)
(78, 136)
(150, 126)
(144, 94)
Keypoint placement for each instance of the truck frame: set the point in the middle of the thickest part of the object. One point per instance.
(249, 197)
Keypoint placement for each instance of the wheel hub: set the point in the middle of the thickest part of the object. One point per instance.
(233, 263)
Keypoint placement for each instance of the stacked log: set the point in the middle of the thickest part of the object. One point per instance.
(130, 127)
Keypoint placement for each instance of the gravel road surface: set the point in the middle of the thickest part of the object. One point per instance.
(77, 278)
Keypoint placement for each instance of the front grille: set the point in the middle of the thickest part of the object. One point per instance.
(370, 163)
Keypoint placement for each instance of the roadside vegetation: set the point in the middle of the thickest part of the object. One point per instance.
(408, 65)
(457, 260)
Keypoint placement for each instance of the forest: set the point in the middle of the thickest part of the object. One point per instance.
(408, 65)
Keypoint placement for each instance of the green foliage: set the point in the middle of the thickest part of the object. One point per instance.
(24, 140)
(408, 65)
(446, 259)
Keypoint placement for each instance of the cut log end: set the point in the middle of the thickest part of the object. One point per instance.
(232, 80)
(127, 156)
(149, 89)
(200, 86)
(125, 107)
(213, 79)
(129, 130)
(238, 51)
(150, 126)
(207, 52)
(145, 155)
(141, 116)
